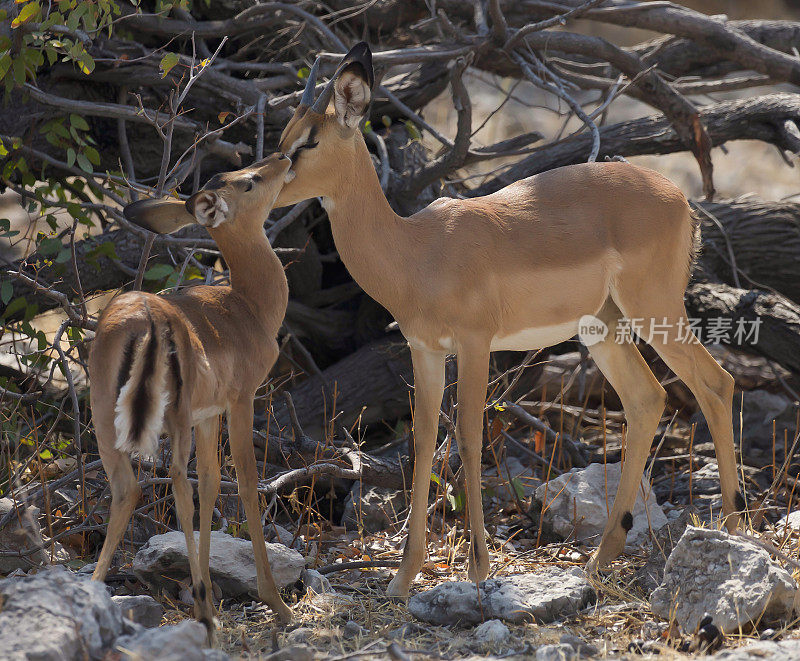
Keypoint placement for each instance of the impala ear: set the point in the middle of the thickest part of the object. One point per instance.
(208, 208)
(160, 216)
(352, 90)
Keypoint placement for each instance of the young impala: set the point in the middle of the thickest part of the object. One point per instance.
(178, 361)
(514, 270)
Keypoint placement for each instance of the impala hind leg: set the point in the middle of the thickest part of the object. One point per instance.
(207, 444)
(428, 390)
(643, 400)
(240, 428)
(473, 375)
(180, 435)
(125, 493)
(713, 388)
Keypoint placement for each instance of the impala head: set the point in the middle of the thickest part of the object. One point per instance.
(231, 199)
(314, 139)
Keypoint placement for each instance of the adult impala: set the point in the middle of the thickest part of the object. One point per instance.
(180, 360)
(514, 270)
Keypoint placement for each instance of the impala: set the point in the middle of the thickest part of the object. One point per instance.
(514, 270)
(178, 361)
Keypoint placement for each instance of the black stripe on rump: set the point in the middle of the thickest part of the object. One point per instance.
(174, 364)
(142, 401)
(127, 361)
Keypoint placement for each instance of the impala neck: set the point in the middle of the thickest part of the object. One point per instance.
(370, 237)
(255, 270)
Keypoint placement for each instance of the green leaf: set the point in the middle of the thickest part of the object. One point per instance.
(15, 306)
(518, 488)
(50, 246)
(86, 63)
(70, 157)
(92, 154)
(167, 62)
(413, 131)
(5, 63)
(302, 73)
(18, 69)
(105, 249)
(28, 12)
(158, 272)
(84, 163)
(6, 291)
(78, 122)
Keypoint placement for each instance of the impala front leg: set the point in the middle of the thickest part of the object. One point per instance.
(206, 435)
(473, 374)
(428, 390)
(240, 426)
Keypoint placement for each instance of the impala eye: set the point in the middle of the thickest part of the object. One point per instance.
(308, 145)
(248, 185)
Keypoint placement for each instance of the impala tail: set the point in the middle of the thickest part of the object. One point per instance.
(144, 390)
(696, 240)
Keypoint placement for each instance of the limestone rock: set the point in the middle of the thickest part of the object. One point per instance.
(726, 576)
(578, 503)
(650, 576)
(763, 650)
(560, 652)
(372, 508)
(491, 633)
(22, 532)
(545, 595)
(231, 561)
(141, 609)
(55, 615)
(313, 580)
(180, 642)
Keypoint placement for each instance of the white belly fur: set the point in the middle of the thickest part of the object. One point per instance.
(535, 338)
(524, 340)
(198, 415)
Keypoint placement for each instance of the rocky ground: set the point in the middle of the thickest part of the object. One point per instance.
(689, 588)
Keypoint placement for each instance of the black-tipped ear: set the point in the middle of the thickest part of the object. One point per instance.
(353, 86)
(359, 61)
(160, 216)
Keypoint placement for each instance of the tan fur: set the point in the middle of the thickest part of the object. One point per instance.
(225, 341)
(516, 269)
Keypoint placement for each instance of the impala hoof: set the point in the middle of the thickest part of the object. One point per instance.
(396, 591)
(282, 612)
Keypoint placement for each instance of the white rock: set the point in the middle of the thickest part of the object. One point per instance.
(20, 533)
(180, 642)
(545, 595)
(790, 521)
(299, 635)
(513, 480)
(735, 581)
(581, 508)
(763, 650)
(140, 608)
(351, 629)
(560, 652)
(584, 649)
(372, 508)
(491, 632)
(231, 561)
(315, 581)
(55, 615)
